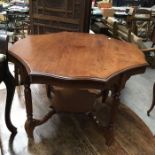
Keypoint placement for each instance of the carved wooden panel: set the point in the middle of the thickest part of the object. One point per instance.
(59, 15)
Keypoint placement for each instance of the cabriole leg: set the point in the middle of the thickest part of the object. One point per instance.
(10, 85)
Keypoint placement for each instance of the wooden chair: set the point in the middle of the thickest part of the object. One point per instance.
(140, 22)
(150, 52)
(149, 57)
(8, 79)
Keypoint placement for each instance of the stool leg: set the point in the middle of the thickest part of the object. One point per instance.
(10, 86)
(153, 101)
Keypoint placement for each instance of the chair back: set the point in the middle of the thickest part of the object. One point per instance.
(59, 15)
(142, 14)
(140, 22)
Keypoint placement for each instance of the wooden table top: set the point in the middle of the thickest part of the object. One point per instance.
(76, 55)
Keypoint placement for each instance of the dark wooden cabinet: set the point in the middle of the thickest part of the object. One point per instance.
(59, 15)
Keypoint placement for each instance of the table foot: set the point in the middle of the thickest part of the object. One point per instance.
(108, 131)
(32, 123)
(109, 136)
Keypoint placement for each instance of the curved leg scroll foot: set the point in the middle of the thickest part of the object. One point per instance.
(10, 85)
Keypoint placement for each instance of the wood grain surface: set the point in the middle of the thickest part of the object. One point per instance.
(76, 55)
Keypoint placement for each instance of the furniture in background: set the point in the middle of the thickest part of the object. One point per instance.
(17, 22)
(8, 79)
(88, 62)
(54, 16)
(153, 36)
(123, 32)
(111, 23)
(13, 19)
(148, 51)
(141, 22)
(153, 62)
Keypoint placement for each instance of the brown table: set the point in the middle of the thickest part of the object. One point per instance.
(76, 60)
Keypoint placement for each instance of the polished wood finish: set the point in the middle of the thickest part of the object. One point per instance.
(63, 15)
(76, 55)
(76, 60)
(8, 80)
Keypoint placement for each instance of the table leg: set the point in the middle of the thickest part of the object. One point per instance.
(105, 95)
(10, 85)
(153, 101)
(29, 126)
(49, 90)
(31, 123)
(109, 131)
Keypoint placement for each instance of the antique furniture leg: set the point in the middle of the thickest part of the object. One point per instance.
(30, 122)
(10, 85)
(104, 95)
(153, 101)
(48, 90)
(109, 134)
(29, 125)
(109, 129)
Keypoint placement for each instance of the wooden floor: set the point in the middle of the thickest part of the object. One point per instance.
(72, 134)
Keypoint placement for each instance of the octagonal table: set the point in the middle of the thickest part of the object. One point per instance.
(76, 60)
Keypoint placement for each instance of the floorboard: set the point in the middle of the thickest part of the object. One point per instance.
(72, 134)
